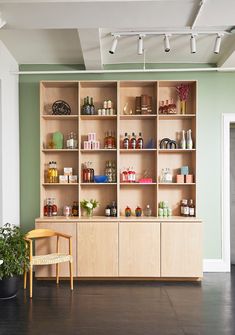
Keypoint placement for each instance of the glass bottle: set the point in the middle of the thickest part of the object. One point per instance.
(49, 213)
(148, 211)
(113, 140)
(133, 141)
(138, 211)
(85, 173)
(126, 142)
(191, 208)
(172, 107)
(183, 141)
(108, 211)
(106, 140)
(140, 142)
(75, 208)
(189, 142)
(185, 208)
(165, 108)
(87, 109)
(49, 173)
(55, 173)
(54, 208)
(92, 107)
(161, 107)
(113, 210)
(114, 172)
(45, 208)
(108, 171)
(83, 107)
(110, 140)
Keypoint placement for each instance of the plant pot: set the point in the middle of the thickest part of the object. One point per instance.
(9, 287)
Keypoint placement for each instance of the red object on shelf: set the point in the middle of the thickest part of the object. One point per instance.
(145, 180)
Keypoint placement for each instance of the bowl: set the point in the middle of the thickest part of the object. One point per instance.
(100, 179)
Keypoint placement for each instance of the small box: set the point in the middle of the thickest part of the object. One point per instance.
(184, 170)
(63, 179)
(91, 137)
(73, 179)
(68, 171)
(180, 178)
(95, 145)
(189, 179)
(87, 145)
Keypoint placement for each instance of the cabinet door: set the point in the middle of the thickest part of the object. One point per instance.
(48, 245)
(97, 249)
(181, 249)
(139, 249)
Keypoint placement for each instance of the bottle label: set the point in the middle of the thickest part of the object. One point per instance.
(107, 212)
(186, 210)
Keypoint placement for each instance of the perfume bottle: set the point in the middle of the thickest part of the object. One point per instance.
(183, 142)
(189, 142)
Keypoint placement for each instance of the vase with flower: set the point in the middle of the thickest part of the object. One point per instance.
(183, 93)
(88, 206)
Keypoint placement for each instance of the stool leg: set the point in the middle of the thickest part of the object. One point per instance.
(57, 273)
(25, 279)
(71, 275)
(31, 281)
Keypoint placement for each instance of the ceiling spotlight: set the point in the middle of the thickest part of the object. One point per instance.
(167, 43)
(114, 45)
(140, 47)
(193, 44)
(217, 43)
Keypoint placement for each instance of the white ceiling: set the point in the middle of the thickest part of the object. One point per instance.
(78, 32)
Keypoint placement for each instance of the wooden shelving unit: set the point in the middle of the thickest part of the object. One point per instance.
(153, 127)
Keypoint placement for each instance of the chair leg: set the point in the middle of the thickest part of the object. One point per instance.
(71, 275)
(25, 279)
(57, 273)
(31, 281)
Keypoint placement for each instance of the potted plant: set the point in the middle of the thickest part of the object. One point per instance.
(14, 258)
(88, 206)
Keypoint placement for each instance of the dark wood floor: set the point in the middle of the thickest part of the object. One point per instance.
(124, 308)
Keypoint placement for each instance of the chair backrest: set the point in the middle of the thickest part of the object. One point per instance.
(39, 233)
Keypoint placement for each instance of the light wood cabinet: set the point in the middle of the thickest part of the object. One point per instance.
(97, 249)
(48, 245)
(181, 249)
(139, 249)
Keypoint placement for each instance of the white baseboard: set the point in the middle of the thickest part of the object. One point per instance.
(215, 265)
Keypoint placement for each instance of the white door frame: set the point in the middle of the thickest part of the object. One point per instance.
(228, 118)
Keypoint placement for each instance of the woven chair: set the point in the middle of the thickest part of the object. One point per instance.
(54, 258)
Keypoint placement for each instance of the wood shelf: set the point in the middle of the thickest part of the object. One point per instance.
(138, 184)
(98, 184)
(175, 151)
(98, 117)
(97, 150)
(60, 117)
(59, 150)
(176, 184)
(60, 184)
(138, 117)
(132, 151)
(176, 116)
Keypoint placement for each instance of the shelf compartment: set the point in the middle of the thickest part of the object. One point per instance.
(52, 91)
(138, 117)
(175, 161)
(98, 117)
(103, 194)
(133, 151)
(135, 196)
(174, 195)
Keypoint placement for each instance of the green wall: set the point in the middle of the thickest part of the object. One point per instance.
(215, 96)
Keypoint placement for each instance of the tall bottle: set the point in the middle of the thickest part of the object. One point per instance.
(49, 173)
(140, 142)
(161, 107)
(83, 107)
(191, 208)
(133, 141)
(92, 107)
(87, 107)
(113, 210)
(183, 141)
(126, 142)
(189, 143)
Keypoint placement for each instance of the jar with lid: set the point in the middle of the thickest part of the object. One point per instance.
(127, 211)
(148, 211)
(138, 211)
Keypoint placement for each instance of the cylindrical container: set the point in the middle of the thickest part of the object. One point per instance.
(67, 210)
